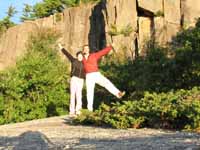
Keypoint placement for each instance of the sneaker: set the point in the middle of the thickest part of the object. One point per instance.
(121, 94)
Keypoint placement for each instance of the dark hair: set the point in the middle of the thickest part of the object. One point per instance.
(79, 52)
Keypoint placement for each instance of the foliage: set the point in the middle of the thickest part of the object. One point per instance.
(172, 110)
(113, 31)
(27, 13)
(46, 8)
(6, 22)
(36, 87)
(58, 17)
(186, 47)
(159, 13)
(11, 11)
(162, 90)
(157, 72)
(126, 30)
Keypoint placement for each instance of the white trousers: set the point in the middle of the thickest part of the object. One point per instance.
(76, 86)
(91, 80)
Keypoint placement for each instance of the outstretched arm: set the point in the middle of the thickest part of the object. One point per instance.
(66, 53)
(103, 52)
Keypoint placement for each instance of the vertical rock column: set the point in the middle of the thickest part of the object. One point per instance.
(147, 12)
(76, 27)
(166, 19)
(190, 10)
(172, 16)
(121, 13)
(145, 33)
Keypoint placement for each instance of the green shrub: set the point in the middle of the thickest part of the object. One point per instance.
(113, 31)
(58, 17)
(46, 8)
(126, 30)
(172, 110)
(159, 13)
(36, 87)
(162, 88)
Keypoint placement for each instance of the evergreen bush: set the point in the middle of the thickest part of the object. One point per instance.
(37, 86)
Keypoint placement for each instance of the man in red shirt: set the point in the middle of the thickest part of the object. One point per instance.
(93, 76)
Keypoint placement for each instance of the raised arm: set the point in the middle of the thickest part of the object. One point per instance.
(103, 52)
(66, 53)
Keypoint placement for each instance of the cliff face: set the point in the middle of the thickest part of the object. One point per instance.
(90, 24)
(13, 42)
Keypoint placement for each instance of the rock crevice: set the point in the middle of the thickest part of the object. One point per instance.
(158, 20)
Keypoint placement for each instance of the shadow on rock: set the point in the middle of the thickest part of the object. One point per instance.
(31, 140)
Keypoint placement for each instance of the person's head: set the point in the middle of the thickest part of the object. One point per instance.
(86, 49)
(79, 56)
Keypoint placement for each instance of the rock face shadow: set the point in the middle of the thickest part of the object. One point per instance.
(97, 34)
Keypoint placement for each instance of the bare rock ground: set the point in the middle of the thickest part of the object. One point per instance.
(58, 134)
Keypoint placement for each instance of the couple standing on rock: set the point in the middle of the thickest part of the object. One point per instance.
(85, 65)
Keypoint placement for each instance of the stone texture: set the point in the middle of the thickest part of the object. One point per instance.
(172, 11)
(164, 31)
(7, 50)
(121, 13)
(172, 16)
(145, 32)
(151, 5)
(160, 30)
(89, 24)
(58, 133)
(13, 42)
(171, 31)
(77, 26)
(190, 10)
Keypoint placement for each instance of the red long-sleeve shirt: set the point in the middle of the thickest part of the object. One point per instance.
(91, 63)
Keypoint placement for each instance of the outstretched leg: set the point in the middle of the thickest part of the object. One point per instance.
(104, 82)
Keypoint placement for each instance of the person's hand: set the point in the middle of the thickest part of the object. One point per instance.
(113, 45)
(60, 46)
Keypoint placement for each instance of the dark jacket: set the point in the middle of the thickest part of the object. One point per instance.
(77, 68)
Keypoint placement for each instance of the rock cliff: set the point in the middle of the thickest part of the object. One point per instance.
(91, 24)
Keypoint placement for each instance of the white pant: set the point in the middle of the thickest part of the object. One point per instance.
(76, 86)
(97, 77)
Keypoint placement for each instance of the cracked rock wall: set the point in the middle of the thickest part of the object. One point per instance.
(90, 24)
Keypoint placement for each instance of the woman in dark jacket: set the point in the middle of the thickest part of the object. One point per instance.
(77, 80)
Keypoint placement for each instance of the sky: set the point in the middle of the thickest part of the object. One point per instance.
(18, 4)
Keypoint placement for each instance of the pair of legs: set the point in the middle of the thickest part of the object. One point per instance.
(76, 86)
(91, 80)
